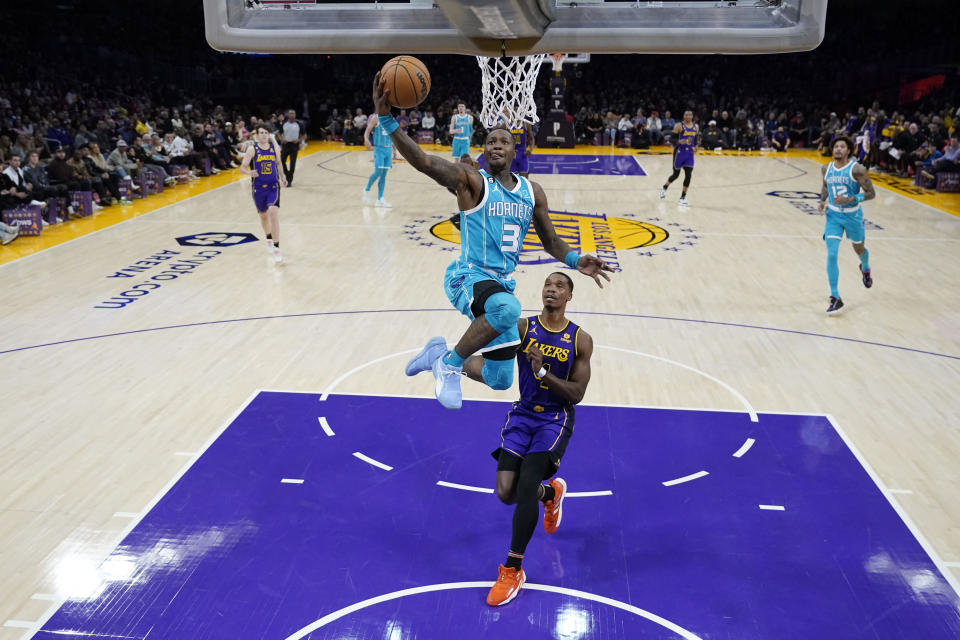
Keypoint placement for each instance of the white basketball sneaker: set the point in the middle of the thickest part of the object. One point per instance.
(684, 202)
(383, 203)
(277, 256)
(663, 193)
(366, 197)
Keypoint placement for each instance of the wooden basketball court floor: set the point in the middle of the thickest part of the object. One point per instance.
(125, 352)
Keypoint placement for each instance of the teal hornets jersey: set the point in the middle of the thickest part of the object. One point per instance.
(840, 182)
(463, 123)
(380, 136)
(492, 233)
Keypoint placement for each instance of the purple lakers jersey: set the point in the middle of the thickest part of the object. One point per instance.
(559, 349)
(265, 163)
(520, 140)
(688, 137)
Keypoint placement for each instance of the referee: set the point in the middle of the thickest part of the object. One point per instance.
(291, 137)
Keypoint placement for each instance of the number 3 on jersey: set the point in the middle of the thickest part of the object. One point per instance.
(509, 242)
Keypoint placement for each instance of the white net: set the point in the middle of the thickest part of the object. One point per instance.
(508, 85)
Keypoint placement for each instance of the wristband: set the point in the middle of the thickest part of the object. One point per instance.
(860, 198)
(388, 123)
(571, 259)
(542, 372)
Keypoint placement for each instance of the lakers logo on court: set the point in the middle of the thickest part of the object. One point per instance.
(597, 233)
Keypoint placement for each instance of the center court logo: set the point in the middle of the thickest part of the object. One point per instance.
(596, 233)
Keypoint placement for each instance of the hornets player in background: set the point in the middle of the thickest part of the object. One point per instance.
(496, 208)
(845, 185)
(553, 364)
(261, 161)
(461, 128)
(684, 151)
(382, 147)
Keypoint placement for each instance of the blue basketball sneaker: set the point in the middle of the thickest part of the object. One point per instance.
(448, 384)
(436, 348)
(867, 278)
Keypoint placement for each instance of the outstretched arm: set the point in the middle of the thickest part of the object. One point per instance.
(453, 175)
(554, 244)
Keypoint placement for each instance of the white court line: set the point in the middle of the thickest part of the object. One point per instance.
(49, 597)
(903, 491)
(357, 454)
(126, 514)
(465, 487)
(750, 409)
(291, 481)
(332, 385)
(743, 449)
(816, 237)
(948, 576)
(412, 396)
(176, 478)
(952, 564)
(20, 624)
(772, 507)
(186, 454)
(692, 476)
(570, 494)
(325, 426)
(357, 606)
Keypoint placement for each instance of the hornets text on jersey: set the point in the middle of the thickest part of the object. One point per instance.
(492, 233)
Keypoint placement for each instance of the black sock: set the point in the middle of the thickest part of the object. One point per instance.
(276, 244)
(513, 562)
(549, 493)
(269, 237)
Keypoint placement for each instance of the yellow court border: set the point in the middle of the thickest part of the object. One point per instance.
(60, 233)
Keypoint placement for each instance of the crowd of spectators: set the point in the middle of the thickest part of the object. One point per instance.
(105, 112)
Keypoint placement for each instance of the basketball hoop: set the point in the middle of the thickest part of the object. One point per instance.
(508, 85)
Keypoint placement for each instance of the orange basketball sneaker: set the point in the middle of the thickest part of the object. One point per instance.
(553, 509)
(506, 587)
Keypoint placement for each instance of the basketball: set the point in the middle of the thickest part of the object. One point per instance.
(407, 79)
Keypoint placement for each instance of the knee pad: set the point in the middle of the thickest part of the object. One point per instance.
(502, 311)
(498, 374)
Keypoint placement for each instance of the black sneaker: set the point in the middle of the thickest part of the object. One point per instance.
(835, 305)
(867, 278)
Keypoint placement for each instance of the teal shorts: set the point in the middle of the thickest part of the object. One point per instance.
(458, 283)
(850, 223)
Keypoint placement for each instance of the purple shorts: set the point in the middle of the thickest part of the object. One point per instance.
(266, 197)
(682, 158)
(527, 430)
(520, 164)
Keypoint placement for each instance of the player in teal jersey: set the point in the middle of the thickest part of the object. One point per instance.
(497, 208)
(461, 128)
(382, 146)
(845, 185)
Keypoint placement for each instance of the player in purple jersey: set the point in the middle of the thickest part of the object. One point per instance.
(553, 365)
(523, 143)
(261, 161)
(684, 150)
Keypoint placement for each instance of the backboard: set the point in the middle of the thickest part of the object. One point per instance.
(514, 27)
